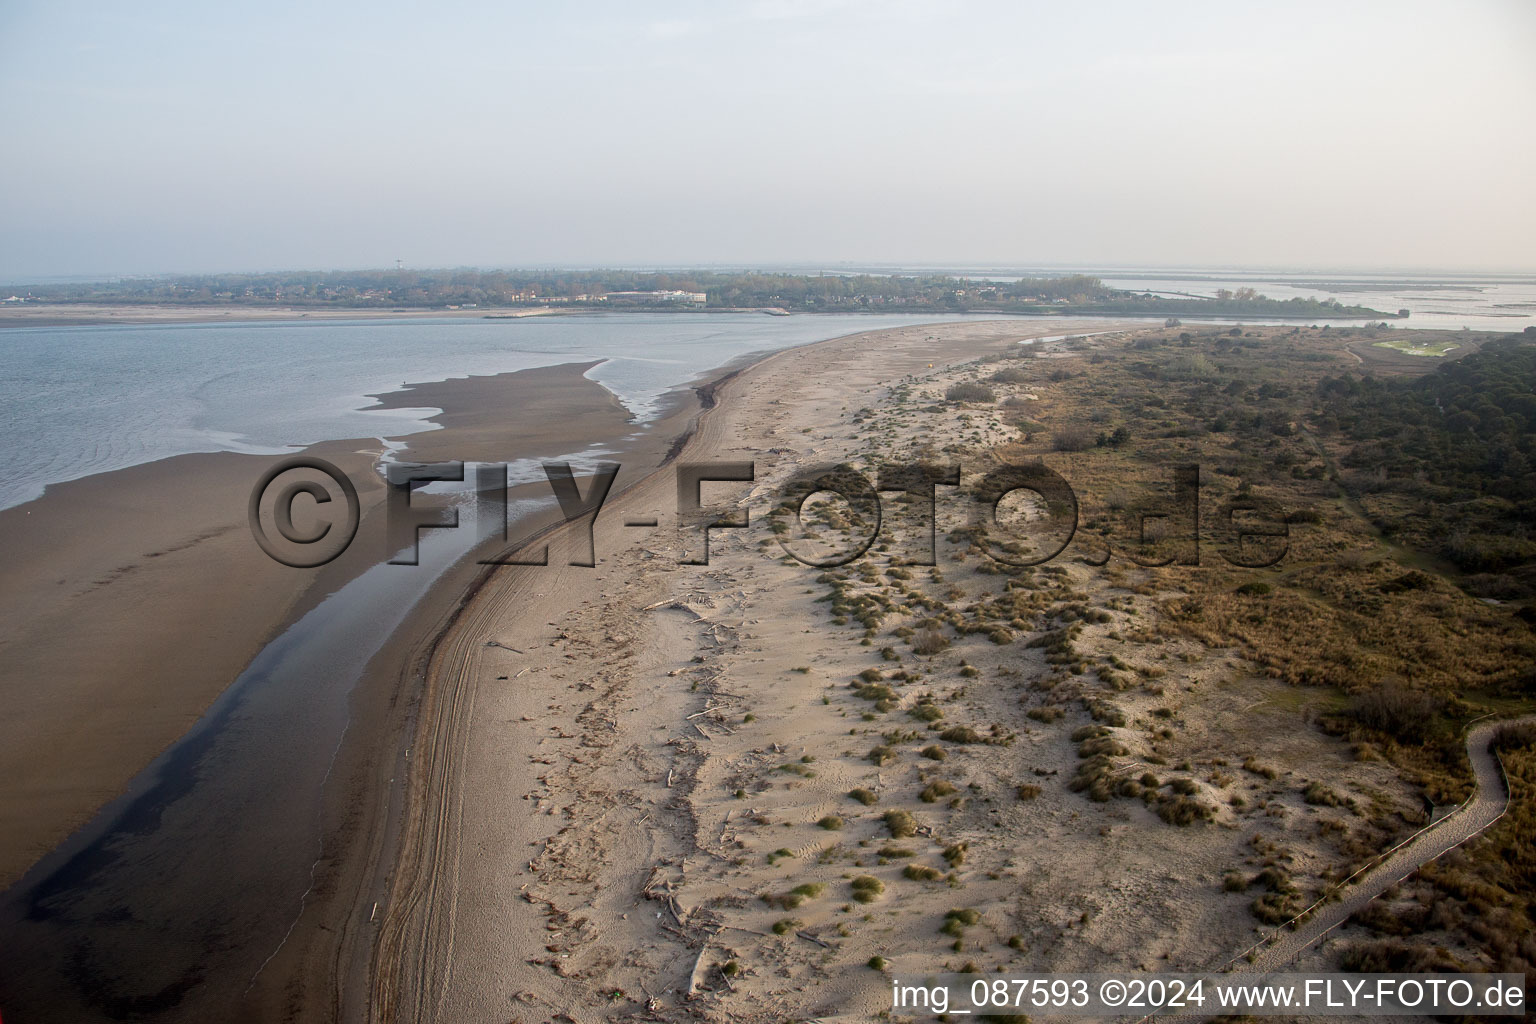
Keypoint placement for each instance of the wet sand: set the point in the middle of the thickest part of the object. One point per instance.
(554, 777)
(620, 776)
(140, 595)
(325, 969)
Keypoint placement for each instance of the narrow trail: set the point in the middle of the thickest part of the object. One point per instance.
(1486, 806)
(1277, 951)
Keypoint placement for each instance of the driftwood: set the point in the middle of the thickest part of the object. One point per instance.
(808, 937)
(693, 975)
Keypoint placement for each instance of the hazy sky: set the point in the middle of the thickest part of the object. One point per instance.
(157, 137)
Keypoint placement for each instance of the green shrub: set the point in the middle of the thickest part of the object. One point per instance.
(1261, 770)
(1181, 810)
(796, 896)
(1101, 745)
(969, 392)
(1513, 737)
(929, 640)
(1275, 907)
(926, 713)
(1320, 795)
(934, 790)
(1404, 714)
(867, 888)
(1107, 713)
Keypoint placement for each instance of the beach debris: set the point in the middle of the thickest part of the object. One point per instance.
(694, 977)
(505, 647)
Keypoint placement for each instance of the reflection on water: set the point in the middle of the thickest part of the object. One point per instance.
(173, 897)
(84, 400)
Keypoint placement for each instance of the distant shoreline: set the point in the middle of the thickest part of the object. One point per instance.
(34, 315)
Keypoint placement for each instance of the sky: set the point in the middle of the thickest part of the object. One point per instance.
(164, 137)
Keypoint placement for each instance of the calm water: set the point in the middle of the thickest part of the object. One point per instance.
(84, 400)
(1439, 300)
(176, 894)
(1442, 302)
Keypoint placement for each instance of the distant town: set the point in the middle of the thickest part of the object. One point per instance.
(572, 290)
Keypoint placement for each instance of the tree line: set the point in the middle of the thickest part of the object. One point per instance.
(425, 289)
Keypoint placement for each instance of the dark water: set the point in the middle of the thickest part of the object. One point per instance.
(174, 896)
(201, 868)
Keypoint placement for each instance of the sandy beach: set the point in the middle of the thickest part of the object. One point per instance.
(111, 595)
(917, 514)
(629, 788)
(108, 592)
(679, 791)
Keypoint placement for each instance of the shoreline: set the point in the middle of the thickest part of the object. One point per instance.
(171, 521)
(46, 315)
(621, 775)
(424, 823)
(329, 959)
(418, 969)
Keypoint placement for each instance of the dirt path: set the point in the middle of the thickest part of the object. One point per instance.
(1485, 807)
